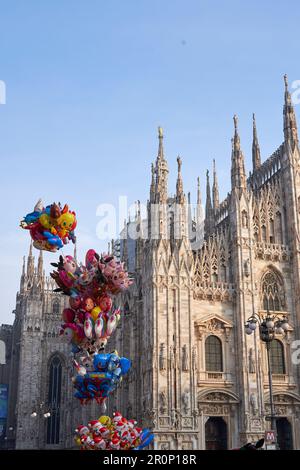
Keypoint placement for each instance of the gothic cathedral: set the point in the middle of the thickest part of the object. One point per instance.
(197, 378)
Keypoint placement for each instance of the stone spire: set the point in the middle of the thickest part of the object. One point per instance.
(256, 160)
(216, 199)
(199, 212)
(40, 264)
(190, 218)
(23, 276)
(30, 262)
(152, 186)
(139, 239)
(238, 174)
(23, 267)
(199, 216)
(289, 118)
(180, 199)
(208, 207)
(161, 189)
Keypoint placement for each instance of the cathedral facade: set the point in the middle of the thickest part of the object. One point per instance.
(197, 379)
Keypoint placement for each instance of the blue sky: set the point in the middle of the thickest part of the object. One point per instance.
(88, 82)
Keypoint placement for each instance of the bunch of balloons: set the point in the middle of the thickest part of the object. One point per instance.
(50, 227)
(91, 318)
(88, 323)
(101, 274)
(106, 374)
(117, 433)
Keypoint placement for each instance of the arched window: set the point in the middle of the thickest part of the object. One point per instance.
(213, 354)
(278, 226)
(264, 233)
(55, 306)
(54, 396)
(272, 234)
(277, 357)
(272, 292)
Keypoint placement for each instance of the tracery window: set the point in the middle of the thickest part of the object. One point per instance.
(272, 292)
(55, 306)
(54, 397)
(278, 227)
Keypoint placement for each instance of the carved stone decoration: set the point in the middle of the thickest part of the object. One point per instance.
(247, 268)
(252, 367)
(162, 357)
(163, 401)
(187, 422)
(164, 445)
(253, 404)
(185, 402)
(185, 358)
(214, 326)
(186, 445)
(175, 418)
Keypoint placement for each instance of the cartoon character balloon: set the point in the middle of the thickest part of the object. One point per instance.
(117, 433)
(50, 227)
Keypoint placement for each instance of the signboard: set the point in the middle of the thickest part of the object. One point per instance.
(270, 440)
(3, 408)
(3, 400)
(270, 436)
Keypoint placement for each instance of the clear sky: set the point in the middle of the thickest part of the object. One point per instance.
(88, 82)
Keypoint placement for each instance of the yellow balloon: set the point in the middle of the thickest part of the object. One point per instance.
(105, 420)
(45, 221)
(95, 313)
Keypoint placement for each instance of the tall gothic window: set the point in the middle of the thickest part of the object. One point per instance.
(277, 357)
(272, 292)
(213, 354)
(272, 234)
(264, 233)
(55, 306)
(278, 226)
(54, 395)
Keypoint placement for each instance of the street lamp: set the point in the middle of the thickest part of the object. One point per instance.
(269, 326)
(42, 409)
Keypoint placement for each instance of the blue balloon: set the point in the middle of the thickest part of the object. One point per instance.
(98, 384)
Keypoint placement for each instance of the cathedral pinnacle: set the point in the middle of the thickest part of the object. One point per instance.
(161, 170)
(179, 183)
(30, 262)
(208, 208)
(40, 264)
(238, 174)
(289, 118)
(256, 160)
(216, 199)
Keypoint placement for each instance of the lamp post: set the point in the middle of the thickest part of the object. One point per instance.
(43, 409)
(269, 326)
